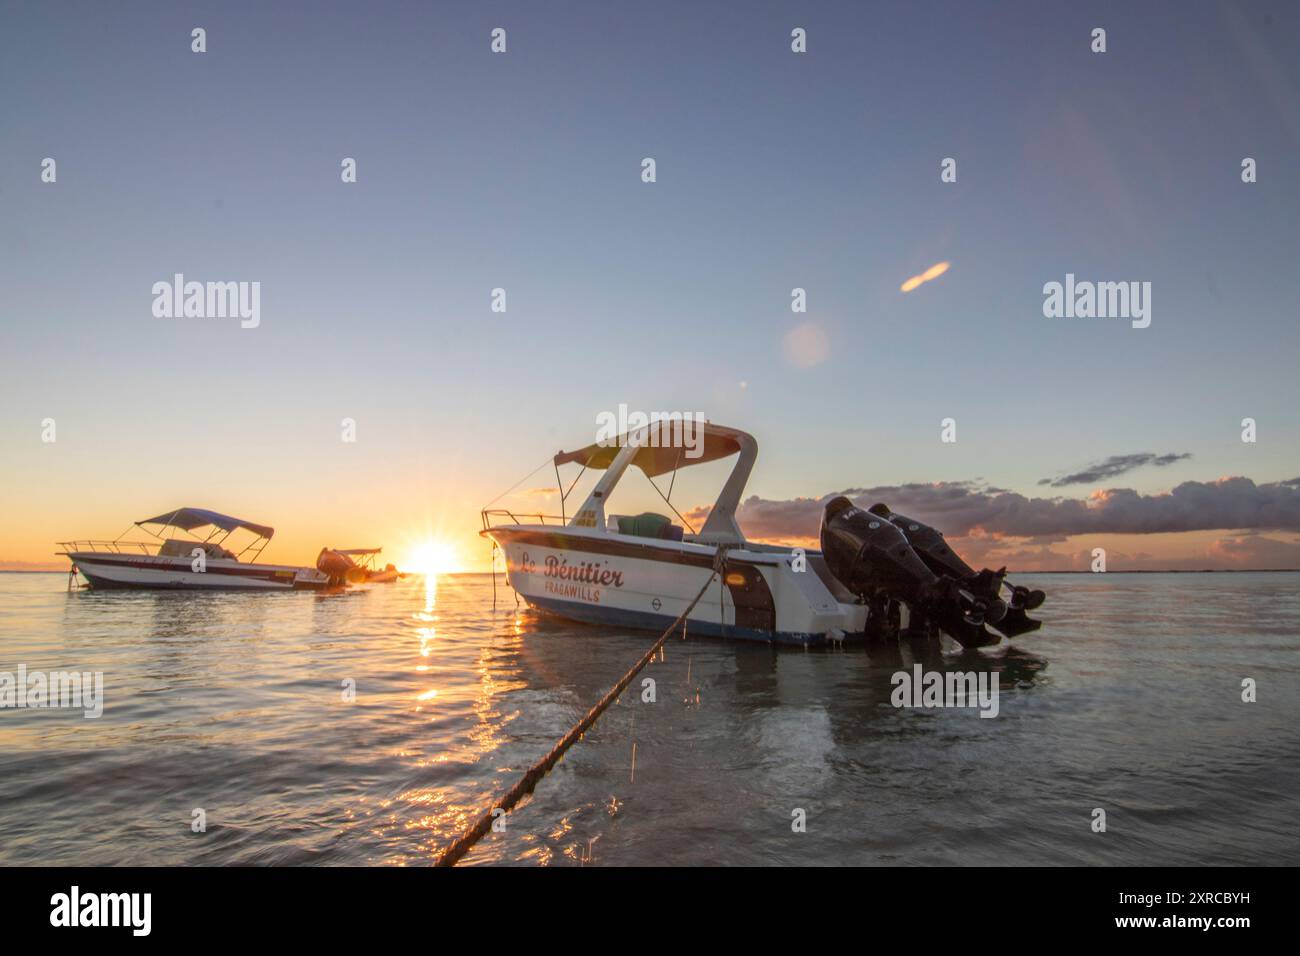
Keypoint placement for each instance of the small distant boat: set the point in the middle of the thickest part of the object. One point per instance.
(355, 566)
(194, 562)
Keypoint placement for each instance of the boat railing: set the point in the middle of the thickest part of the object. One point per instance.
(502, 516)
(115, 547)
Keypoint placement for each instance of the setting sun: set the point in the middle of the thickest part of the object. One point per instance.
(432, 558)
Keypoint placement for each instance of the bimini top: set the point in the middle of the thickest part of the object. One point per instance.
(187, 519)
(666, 450)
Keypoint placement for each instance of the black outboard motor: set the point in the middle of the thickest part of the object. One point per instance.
(1008, 617)
(872, 558)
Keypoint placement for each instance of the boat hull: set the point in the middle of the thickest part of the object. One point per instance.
(107, 571)
(642, 621)
(625, 581)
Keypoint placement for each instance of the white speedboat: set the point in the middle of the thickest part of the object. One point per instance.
(877, 573)
(191, 562)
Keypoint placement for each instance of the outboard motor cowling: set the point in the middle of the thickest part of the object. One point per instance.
(1007, 616)
(869, 554)
(871, 557)
(339, 568)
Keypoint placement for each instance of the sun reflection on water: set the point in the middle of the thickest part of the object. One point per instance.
(430, 593)
(462, 686)
(427, 631)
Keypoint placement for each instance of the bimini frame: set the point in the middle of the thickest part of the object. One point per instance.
(216, 536)
(647, 449)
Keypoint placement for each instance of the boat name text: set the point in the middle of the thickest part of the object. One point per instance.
(586, 572)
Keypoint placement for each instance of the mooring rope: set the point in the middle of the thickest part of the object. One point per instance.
(526, 784)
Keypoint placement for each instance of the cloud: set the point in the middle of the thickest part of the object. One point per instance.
(936, 270)
(1256, 551)
(1250, 552)
(961, 509)
(541, 492)
(7, 565)
(1114, 466)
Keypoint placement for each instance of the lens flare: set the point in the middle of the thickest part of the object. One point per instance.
(936, 270)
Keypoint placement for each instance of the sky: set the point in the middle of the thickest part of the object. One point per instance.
(774, 170)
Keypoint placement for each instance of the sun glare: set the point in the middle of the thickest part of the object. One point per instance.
(432, 558)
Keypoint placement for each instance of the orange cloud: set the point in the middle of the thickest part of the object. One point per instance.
(936, 270)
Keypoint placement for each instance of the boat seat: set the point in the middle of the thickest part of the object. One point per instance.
(649, 525)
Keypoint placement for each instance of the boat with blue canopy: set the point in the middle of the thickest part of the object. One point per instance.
(180, 558)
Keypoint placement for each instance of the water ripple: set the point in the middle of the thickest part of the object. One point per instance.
(369, 728)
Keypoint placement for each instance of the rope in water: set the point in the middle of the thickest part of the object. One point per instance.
(506, 803)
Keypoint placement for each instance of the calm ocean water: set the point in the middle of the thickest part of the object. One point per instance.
(1130, 701)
